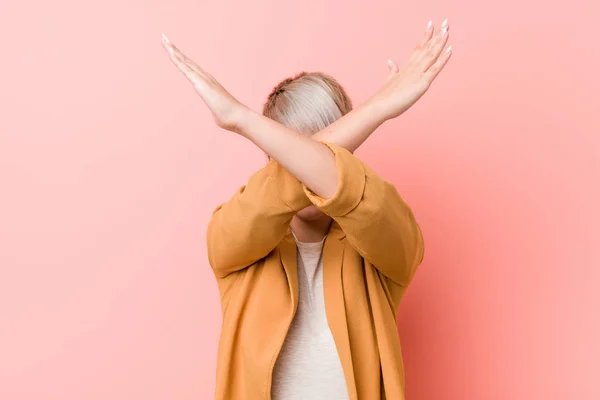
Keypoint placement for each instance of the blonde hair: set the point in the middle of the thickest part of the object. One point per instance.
(308, 102)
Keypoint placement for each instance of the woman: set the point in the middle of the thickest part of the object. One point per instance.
(314, 254)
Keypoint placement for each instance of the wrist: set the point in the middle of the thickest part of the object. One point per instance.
(377, 109)
(243, 120)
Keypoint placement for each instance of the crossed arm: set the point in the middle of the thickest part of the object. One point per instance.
(376, 221)
(320, 170)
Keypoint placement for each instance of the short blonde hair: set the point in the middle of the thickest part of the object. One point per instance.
(308, 102)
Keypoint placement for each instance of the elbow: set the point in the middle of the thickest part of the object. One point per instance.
(215, 258)
(408, 250)
(414, 248)
(232, 250)
(219, 258)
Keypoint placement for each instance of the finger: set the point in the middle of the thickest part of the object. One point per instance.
(437, 67)
(393, 67)
(165, 39)
(168, 46)
(428, 34)
(435, 47)
(182, 57)
(179, 63)
(416, 54)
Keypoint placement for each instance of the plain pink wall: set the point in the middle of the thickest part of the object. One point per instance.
(110, 168)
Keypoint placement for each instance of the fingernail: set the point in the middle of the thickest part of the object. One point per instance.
(444, 30)
(390, 63)
(449, 49)
(429, 25)
(166, 39)
(445, 23)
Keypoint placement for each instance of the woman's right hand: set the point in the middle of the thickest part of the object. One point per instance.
(403, 88)
(227, 110)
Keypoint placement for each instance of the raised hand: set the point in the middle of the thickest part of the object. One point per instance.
(226, 110)
(404, 87)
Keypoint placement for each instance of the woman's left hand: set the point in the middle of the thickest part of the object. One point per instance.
(227, 111)
(404, 87)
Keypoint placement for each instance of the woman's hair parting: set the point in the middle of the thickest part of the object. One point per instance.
(308, 102)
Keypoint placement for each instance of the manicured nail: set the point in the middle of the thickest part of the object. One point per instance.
(165, 38)
(390, 63)
(429, 25)
(444, 30)
(445, 23)
(449, 49)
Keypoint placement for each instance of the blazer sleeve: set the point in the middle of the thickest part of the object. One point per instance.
(377, 222)
(249, 226)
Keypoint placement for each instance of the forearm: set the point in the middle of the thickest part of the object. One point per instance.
(354, 128)
(305, 157)
(310, 161)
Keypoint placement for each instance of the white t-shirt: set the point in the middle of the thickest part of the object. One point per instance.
(308, 366)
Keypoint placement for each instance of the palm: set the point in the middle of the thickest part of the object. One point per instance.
(403, 88)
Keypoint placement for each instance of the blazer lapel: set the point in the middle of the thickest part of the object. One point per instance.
(333, 255)
(287, 250)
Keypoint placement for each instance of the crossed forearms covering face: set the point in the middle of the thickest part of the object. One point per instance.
(309, 160)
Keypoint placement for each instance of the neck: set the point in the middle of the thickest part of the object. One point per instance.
(310, 231)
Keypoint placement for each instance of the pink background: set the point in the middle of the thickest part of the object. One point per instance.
(110, 168)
